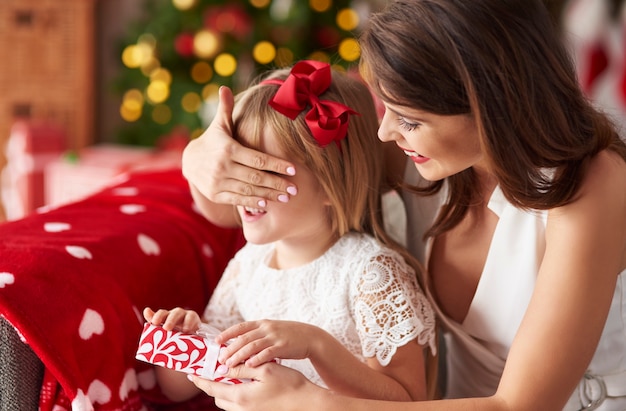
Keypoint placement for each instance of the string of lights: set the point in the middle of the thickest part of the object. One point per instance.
(179, 54)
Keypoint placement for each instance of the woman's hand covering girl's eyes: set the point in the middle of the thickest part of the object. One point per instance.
(225, 172)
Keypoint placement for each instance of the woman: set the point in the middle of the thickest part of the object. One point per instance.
(523, 208)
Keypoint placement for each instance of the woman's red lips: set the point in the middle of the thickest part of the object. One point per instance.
(414, 156)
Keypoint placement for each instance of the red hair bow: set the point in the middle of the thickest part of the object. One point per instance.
(308, 79)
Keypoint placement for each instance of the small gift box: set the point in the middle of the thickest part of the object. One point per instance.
(189, 353)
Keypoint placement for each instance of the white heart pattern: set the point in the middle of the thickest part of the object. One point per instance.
(207, 250)
(148, 245)
(81, 402)
(56, 227)
(147, 379)
(131, 209)
(129, 384)
(99, 392)
(6, 279)
(126, 191)
(78, 252)
(91, 324)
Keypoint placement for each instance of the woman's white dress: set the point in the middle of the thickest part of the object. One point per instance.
(476, 350)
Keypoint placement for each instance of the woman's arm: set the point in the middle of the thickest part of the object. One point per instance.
(585, 243)
(278, 388)
(585, 246)
(258, 342)
(222, 215)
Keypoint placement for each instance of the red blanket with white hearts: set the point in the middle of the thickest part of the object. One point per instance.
(74, 280)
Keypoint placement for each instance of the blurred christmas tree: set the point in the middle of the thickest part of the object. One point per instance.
(176, 58)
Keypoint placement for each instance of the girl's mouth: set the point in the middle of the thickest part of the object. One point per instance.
(251, 214)
(253, 211)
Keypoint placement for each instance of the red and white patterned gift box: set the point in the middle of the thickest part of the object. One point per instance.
(189, 353)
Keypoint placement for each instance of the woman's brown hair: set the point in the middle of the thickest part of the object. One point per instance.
(502, 62)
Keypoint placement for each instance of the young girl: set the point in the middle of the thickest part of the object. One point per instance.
(319, 284)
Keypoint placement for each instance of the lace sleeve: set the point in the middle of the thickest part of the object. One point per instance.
(222, 310)
(390, 308)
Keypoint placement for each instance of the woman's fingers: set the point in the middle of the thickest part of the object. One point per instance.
(247, 176)
(271, 382)
(253, 159)
(224, 115)
(259, 161)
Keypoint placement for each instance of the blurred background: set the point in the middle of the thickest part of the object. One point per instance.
(94, 88)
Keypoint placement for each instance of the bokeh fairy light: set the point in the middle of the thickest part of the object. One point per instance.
(185, 49)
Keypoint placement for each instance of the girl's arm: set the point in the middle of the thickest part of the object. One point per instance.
(258, 342)
(403, 379)
(585, 243)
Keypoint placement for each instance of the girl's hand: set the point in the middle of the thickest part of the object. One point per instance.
(187, 321)
(275, 388)
(258, 342)
(225, 172)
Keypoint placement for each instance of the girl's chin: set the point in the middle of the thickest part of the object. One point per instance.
(256, 238)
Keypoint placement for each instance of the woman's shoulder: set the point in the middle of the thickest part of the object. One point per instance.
(604, 180)
(599, 205)
(608, 163)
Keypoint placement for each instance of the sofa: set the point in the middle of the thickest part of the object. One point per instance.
(73, 283)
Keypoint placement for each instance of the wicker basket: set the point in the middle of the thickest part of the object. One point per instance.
(47, 54)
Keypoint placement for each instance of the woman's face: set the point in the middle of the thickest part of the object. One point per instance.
(439, 146)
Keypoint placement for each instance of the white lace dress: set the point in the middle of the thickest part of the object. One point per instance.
(362, 293)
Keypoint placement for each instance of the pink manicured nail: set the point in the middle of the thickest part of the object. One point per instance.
(221, 370)
(291, 171)
(292, 190)
(283, 198)
(262, 203)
